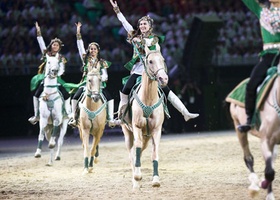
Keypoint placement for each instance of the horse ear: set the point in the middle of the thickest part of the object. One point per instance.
(147, 50)
(157, 47)
(57, 55)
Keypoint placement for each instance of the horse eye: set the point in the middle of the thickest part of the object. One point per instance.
(151, 62)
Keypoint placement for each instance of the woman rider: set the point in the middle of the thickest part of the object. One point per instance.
(143, 36)
(37, 84)
(91, 58)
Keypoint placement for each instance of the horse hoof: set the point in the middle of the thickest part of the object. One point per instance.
(57, 158)
(90, 169)
(49, 164)
(137, 177)
(155, 182)
(37, 155)
(85, 171)
(253, 193)
(51, 146)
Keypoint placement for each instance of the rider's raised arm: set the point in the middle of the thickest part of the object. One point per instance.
(127, 26)
(80, 42)
(40, 38)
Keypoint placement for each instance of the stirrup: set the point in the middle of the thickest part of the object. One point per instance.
(244, 128)
(33, 120)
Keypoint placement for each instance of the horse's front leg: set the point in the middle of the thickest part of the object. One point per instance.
(41, 138)
(63, 129)
(93, 151)
(85, 139)
(56, 115)
(155, 157)
(138, 143)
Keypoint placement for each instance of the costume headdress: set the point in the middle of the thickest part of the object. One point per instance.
(148, 19)
(96, 44)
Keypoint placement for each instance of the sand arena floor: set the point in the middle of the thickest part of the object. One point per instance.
(192, 166)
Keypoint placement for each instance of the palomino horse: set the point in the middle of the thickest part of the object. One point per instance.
(92, 118)
(52, 123)
(268, 131)
(147, 116)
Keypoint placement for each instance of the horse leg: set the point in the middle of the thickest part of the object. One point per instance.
(94, 147)
(62, 133)
(85, 139)
(249, 162)
(155, 157)
(129, 141)
(41, 137)
(50, 163)
(55, 132)
(269, 172)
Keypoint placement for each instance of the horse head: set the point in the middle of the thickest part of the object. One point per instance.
(155, 66)
(52, 66)
(93, 84)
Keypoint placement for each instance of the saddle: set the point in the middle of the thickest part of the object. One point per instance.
(237, 95)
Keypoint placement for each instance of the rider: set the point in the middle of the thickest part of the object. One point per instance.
(268, 12)
(36, 83)
(143, 36)
(91, 58)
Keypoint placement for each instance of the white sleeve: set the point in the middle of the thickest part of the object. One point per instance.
(41, 43)
(124, 22)
(81, 48)
(104, 76)
(61, 68)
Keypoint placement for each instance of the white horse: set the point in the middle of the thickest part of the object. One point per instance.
(92, 119)
(52, 122)
(147, 116)
(268, 132)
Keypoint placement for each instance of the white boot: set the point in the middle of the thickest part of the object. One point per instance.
(67, 107)
(123, 104)
(72, 122)
(33, 120)
(178, 104)
(110, 110)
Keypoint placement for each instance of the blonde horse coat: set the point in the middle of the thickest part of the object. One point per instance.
(142, 129)
(269, 134)
(92, 119)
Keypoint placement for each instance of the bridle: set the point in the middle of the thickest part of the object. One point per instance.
(152, 74)
(91, 92)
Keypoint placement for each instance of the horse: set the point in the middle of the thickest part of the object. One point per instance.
(147, 116)
(52, 122)
(267, 130)
(92, 118)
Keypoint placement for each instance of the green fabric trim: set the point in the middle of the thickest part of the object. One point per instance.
(35, 81)
(125, 79)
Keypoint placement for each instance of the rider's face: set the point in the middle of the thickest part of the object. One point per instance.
(275, 3)
(55, 47)
(144, 26)
(93, 50)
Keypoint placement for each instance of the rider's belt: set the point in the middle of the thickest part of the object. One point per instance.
(271, 46)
